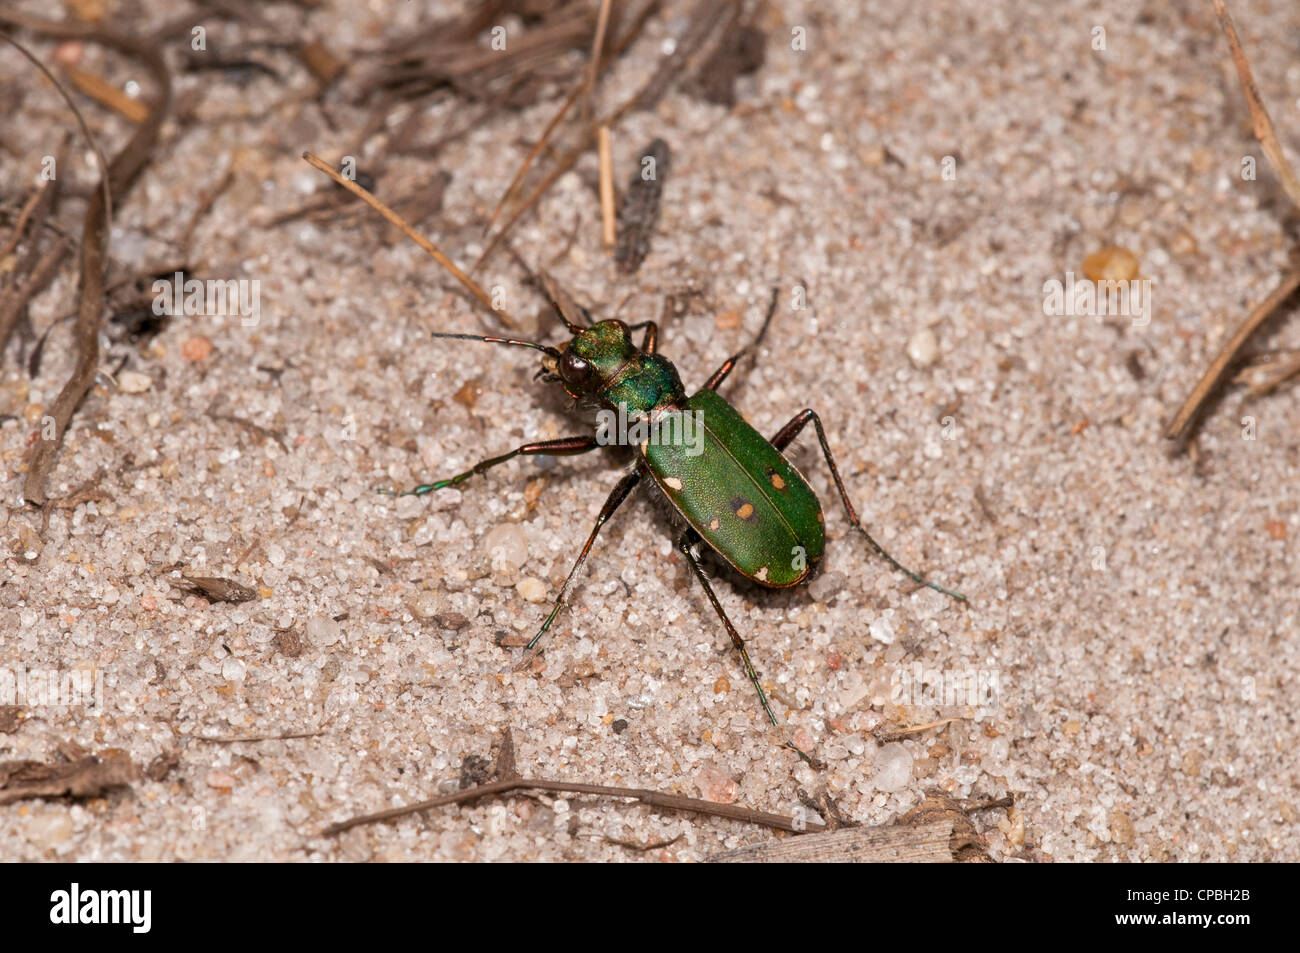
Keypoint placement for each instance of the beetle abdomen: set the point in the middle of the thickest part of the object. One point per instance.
(739, 493)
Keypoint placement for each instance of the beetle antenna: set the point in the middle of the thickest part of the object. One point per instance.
(545, 348)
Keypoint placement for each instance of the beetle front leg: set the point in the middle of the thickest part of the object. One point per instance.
(561, 447)
(787, 434)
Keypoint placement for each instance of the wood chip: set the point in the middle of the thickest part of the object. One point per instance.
(85, 777)
(215, 588)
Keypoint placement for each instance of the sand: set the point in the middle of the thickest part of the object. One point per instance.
(1124, 669)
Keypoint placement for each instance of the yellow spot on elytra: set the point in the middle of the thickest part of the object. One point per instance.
(746, 511)
(777, 481)
(761, 575)
(673, 483)
(715, 523)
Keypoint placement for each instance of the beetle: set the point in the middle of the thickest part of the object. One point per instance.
(738, 494)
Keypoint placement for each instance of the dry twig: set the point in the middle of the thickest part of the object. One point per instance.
(114, 180)
(428, 246)
(1182, 423)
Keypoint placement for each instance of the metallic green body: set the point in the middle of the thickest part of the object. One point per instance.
(736, 490)
(639, 381)
(744, 498)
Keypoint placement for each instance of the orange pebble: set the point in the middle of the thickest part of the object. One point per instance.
(197, 348)
(1111, 263)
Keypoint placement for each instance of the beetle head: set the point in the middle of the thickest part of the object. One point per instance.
(591, 359)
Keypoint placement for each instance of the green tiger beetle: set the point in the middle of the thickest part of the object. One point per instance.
(734, 489)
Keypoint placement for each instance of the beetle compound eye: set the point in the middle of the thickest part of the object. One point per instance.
(574, 369)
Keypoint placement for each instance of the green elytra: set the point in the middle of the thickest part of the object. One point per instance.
(738, 494)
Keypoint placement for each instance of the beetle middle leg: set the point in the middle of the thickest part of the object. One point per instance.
(787, 434)
(684, 544)
(612, 502)
(561, 447)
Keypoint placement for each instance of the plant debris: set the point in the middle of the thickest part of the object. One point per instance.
(215, 589)
(84, 777)
(639, 213)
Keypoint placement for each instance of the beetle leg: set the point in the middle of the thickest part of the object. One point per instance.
(787, 434)
(563, 447)
(616, 496)
(684, 544)
(651, 340)
(721, 373)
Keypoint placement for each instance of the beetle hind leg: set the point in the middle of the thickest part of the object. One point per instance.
(684, 544)
(785, 436)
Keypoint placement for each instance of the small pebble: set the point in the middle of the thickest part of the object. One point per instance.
(69, 53)
(716, 785)
(220, 780)
(531, 588)
(533, 490)
(323, 631)
(289, 643)
(133, 382)
(425, 605)
(825, 587)
(506, 547)
(893, 768)
(923, 348)
(1184, 243)
(1121, 828)
(882, 630)
(1014, 828)
(197, 348)
(1111, 263)
(50, 827)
